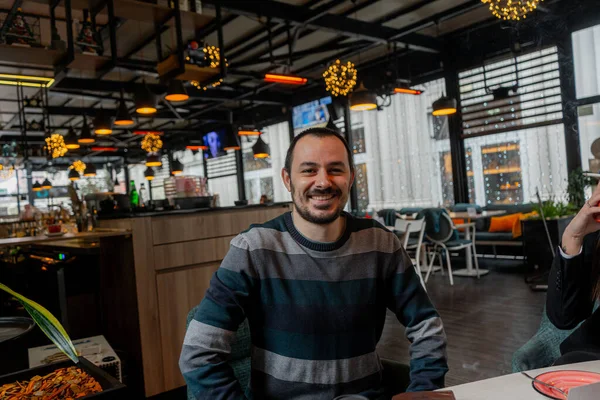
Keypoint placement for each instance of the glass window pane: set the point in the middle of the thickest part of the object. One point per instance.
(263, 176)
(589, 133)
(510, 167)
(586, 55)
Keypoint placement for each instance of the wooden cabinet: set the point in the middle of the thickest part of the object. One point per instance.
(174, 258)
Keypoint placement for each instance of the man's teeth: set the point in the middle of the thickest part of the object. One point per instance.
(322, 197)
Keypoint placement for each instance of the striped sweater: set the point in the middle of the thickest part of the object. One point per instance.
(316, 312)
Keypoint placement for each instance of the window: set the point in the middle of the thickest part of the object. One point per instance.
(586, 56)
(401, 154)
(263, 176)
(512, 120)
(589, 133)
(362, 186)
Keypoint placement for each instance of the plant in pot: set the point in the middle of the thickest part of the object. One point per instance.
(75, 378)
(536, 245)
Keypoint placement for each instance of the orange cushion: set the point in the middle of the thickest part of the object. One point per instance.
(458, 221)
(516, 231)
(504, 223)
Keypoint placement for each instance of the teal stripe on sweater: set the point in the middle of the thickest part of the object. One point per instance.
(280, 291)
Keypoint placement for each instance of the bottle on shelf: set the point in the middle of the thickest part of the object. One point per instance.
(142, 196)
(133, 195)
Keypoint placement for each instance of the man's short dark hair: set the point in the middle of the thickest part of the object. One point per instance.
(320, 133)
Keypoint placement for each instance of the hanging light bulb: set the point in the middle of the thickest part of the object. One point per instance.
(46, 185)
(231, 140)
(86, 134)
(145, 100)
(444, 106)
(71, 140)
(74, 175)
(176, 91)
(363, 99)
(153, 160)
(103, 123)
(149, 173)
(36, 187)
(90, 170)
(176, 167)
(123, 116)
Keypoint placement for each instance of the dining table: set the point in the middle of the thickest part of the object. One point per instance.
(514, 386)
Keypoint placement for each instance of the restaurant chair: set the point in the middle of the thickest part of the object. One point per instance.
(442, 236)
(415, 230)
(240, 354)
(543, 349)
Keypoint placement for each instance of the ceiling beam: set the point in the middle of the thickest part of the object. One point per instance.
(297, 15)
(220, 95)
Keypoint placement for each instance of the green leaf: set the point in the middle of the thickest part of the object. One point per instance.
(47, 323)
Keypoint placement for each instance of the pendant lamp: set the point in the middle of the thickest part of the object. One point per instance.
(145, 100)
(231, 141)
(261, 149)
(86, 134)
(71, 142)
(74, 175)
(46, 184)
(90, 170)
(103, 123)
(176, 167)
(444, 106)
(37, 187)
(363, 99)
(176, 91)
(123, 116)
(149, 173)
(153, 160)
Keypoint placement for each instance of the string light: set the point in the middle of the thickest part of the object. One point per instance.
(55, 144)
(213, 55)
(7, 173)
(511, 9)
(151, 143)
(340, 78)
(78, 166)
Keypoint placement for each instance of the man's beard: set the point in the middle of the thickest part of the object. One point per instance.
(303, 209)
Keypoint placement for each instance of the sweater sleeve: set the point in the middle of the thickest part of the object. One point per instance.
(570, 284)
(409, 301)
(207, 344)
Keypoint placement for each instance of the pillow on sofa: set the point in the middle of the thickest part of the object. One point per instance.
(516, 231)
(504, 223)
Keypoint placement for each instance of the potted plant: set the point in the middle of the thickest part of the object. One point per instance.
(74, 378)
(536, 245)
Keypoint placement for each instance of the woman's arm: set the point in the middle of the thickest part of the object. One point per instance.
(569, 299)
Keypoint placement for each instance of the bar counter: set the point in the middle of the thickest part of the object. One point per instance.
(26, 240)
(175, 253)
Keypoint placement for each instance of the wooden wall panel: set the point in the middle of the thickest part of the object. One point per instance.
(188, 253)
(178, 292)
(180, 228)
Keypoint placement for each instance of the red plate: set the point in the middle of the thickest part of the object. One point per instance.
(564, 380)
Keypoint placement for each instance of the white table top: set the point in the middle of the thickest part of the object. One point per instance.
(481, 215)
(513, 386)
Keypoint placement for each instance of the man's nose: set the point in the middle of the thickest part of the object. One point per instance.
(323, 179)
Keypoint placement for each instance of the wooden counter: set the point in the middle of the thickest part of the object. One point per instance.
(67, 236)
(174, 258)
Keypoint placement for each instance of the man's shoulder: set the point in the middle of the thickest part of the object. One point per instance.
(277, 223)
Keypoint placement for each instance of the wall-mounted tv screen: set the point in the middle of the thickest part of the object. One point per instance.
(312, 114)
(214, 140)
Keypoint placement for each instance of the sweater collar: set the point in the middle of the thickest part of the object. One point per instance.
(319, 246)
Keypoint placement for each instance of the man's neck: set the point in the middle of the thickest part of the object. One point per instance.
(323, 233)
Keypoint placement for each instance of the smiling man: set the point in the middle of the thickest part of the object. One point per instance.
(314, 285)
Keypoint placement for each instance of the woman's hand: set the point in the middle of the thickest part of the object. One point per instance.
(583, 224)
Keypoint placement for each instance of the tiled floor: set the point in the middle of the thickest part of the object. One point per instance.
(486, 320)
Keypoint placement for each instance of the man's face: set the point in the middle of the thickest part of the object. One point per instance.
(319, 178)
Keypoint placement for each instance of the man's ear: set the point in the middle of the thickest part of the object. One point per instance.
(352, 175)
(285, 177)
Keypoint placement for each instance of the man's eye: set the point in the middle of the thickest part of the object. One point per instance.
(308, 171)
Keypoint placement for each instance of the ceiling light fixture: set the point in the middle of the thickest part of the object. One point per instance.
(402, 90)
(286, 79)
(363, 99)
(86, 134)
(260, 149)
(37, 187)
(74, 175)
(196, 147)
(444, 106)
(340, 78)
(249, 133)
(145, 100)
(90, 170)
(176, 91)
(46, 185)
(123, 116)
(103, 123)
(512, 9)
(176, 167)
(149, 174)
(153, 160)
(71, 140)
